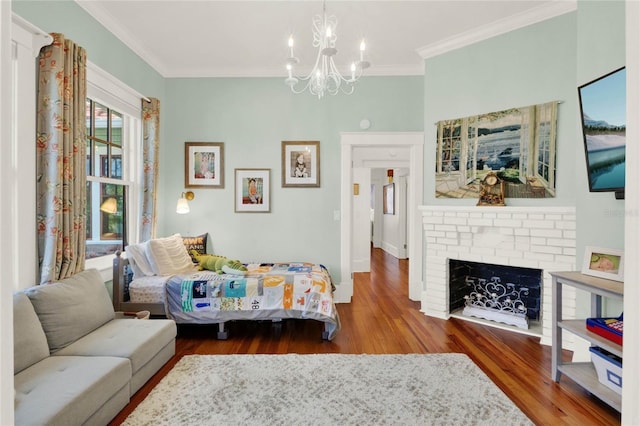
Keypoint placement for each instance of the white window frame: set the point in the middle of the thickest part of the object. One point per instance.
(102, 87)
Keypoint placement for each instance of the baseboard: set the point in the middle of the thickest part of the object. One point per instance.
(343, 292)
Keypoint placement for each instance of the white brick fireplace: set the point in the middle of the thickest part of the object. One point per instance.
(533, 237)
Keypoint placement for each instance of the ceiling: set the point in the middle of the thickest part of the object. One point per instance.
(211, 38)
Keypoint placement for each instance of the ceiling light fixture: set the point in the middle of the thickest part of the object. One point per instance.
(325, 77)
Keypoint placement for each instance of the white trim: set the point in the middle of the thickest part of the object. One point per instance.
(631, 348)
(104, 87)
(546, 11)
(100, 14)
(415, 142)
(7, 231)
(28, 35)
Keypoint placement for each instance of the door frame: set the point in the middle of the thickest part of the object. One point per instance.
(414, 141)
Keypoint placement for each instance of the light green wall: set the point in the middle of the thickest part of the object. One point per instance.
(252, 116)
(539, 63)
(103, 48)
(601, 49)
(529, 66)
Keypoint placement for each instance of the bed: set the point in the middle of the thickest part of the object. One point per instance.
(268, 291)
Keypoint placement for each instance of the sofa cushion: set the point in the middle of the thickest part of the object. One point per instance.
(29, 340)
(137, 340)
(68, 390)
(71, 308)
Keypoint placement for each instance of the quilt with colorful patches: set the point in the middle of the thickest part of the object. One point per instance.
(272, 291)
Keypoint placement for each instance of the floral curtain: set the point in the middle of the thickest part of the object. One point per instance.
(150, 149)
(61, 159)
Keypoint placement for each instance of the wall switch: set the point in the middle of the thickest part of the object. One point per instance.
(336, 215)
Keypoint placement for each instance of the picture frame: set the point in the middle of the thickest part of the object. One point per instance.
(204, 164)
(252, 190)
(603, 262)
(388, 199)
(300, 164)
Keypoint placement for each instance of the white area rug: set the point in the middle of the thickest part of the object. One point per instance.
(326, 389)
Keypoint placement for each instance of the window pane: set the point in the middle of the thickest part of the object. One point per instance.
(116, 162)
(102, 156)
(100, 117)
(116, 128)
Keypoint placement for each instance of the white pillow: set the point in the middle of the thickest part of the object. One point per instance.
(137, 254)
(168, 256)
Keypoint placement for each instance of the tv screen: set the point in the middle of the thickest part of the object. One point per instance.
(603, 113)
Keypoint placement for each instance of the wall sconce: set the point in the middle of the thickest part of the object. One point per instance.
(110, 205)
(390, 175)
(182, 207)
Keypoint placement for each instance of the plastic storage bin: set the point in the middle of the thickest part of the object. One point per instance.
(609, 368)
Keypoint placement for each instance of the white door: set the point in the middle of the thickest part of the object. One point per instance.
(361, 235)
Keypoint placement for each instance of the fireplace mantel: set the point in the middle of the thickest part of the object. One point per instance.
(541, 237)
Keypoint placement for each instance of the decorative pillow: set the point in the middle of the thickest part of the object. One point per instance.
(71, 308)
(29, 341)
(199, 244)
(167, 256)
(137, 255)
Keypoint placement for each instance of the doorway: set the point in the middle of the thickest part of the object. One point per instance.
(376, 150)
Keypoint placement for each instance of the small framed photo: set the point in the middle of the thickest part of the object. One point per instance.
(301, 164)
(204, 165)
(603, 263)
(388, 199)
(252, 193)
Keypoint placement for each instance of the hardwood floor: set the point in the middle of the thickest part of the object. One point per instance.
(381, 319)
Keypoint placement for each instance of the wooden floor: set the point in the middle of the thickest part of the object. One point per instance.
(381, 319)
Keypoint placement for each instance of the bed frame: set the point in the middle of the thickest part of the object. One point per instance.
(122, 276)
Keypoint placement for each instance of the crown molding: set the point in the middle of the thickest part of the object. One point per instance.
(232, 72)
(502, 26)
(100, 14)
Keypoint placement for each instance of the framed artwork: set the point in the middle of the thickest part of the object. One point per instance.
(252, 193)
(388, 199)
(603, 263)
(301, 164)
(204, 165)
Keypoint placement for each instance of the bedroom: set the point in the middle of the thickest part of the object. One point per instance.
(227, 105)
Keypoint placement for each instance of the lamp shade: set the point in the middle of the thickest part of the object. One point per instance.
(110, 205)
(182, 207)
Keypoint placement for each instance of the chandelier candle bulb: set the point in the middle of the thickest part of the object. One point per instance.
(324, 77)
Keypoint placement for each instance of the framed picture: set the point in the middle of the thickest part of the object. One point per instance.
(388, 199)
(252, 191)
(301, 164)
(603, 263)
(204, 165)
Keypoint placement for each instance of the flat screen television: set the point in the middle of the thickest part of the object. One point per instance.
(603, 114)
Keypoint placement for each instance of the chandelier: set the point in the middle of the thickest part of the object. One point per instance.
(324, 77)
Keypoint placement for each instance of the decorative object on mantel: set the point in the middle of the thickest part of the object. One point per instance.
(492, 300)
(324, 77)
(491, 191)
(603, 262)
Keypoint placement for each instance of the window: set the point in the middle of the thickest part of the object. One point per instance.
(113, 141)
(105, 186)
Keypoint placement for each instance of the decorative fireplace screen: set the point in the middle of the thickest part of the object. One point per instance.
(504, 294)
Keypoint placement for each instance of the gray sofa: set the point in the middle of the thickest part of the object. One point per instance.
(76, 361)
